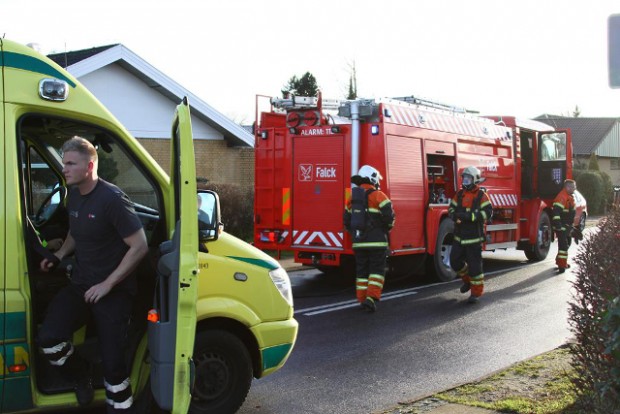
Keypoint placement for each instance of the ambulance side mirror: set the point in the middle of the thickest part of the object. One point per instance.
(614, 50)
(209, 226)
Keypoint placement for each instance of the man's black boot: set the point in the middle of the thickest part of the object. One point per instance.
(84, 391)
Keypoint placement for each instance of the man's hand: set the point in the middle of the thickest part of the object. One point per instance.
(96, 292)
(49, 264)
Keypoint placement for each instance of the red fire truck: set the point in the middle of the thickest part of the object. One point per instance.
(305, 157)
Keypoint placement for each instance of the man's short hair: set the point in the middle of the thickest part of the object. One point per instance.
(82, 146)
(569, 181)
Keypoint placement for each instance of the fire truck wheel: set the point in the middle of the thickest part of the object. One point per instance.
(443, 247)
(539, 251)
(223, 373)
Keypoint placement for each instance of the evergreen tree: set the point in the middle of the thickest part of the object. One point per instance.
(352, 83)
(593, 165)
(304, 86)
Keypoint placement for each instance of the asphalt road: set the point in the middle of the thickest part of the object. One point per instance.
(422, 339)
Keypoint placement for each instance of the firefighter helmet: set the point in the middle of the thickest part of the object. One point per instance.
(471, 177)
(371, 174)
(475, 174)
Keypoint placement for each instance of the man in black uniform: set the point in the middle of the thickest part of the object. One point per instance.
(108, 241)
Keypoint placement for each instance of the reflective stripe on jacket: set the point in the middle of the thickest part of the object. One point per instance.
(563, 210)
(473, 209)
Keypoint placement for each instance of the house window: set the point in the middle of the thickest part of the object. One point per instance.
(615, 163)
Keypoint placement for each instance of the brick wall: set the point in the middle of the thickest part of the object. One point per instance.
(215, 161)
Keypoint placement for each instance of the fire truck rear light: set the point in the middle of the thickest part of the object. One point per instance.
(293, 131)
(335, 129)
(153, 316)
(374, 129)
(17, 368)
(268, 236)
(264, 134)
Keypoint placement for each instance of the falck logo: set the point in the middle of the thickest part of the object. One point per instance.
(305, 172)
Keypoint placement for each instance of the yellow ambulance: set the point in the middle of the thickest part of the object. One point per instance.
(211, 312)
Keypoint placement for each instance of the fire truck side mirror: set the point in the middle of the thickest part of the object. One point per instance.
(614, 50)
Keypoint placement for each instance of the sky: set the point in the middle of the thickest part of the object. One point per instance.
(504, 57)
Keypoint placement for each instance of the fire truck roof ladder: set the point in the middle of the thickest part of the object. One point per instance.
(433, 104)
(305, 102)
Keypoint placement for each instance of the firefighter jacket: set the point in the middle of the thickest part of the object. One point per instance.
(380, 220)
(563, 211)
(470, 209)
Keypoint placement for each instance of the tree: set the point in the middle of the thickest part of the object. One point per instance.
(352, 83)
(593, 165)
(304, 86)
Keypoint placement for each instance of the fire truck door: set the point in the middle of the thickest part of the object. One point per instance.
(318, 191)
(554, 161)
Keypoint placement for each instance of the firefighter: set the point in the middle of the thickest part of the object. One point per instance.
(369, 217)
(470, 209)
(563, 218)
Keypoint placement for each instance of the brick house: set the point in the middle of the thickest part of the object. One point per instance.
(143, 99)
(592, 135)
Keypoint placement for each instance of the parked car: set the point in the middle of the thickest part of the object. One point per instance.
(581, 210)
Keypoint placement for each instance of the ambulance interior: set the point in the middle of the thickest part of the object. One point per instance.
(46, 219)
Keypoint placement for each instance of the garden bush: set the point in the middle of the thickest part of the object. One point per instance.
(594, 316)
(590, 184)
(237, 205)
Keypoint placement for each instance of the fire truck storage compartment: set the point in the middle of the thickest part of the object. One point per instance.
(440, 167)
(318, 191)
(405, 183)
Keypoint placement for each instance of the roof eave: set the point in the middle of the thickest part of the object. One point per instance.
(234, 133)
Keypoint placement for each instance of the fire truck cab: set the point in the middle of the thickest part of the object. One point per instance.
(306, 155)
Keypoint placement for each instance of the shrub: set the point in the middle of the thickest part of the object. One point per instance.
(608, 192)
(590, 184)
(594, 316)
(237, 204)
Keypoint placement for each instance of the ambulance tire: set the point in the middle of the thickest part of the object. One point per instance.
(223, 373)
(539, 251)
(440, 263)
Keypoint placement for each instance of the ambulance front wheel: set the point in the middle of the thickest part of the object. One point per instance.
(441, 260)
(223, 373)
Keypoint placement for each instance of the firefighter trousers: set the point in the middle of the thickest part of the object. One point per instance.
(466, 260)
(370, 273)
(561, 260)
(68, 312)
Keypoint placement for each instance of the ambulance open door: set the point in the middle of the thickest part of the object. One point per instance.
(172, 324)
(554, 161)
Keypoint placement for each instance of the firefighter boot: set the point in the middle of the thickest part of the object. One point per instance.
(369, 304)
(465, 278)
(473, 299)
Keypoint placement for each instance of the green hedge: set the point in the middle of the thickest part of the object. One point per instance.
(594, 316)
(590, 184)
(237, 206)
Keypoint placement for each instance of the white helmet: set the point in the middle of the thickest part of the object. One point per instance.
(371, 173)
(475, 173)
